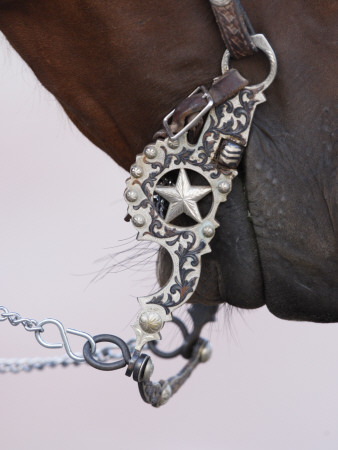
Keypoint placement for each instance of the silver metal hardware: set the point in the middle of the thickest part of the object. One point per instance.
(228, 122)
(224, 187)
(208, 231)
(158, 393)
(136, 171)
(15, 319)
(151, 322)
(183, 197)
(33, 325)
(230, 153)
(64, 338)
(205, 352)
(173, 144)
(17, 365)
(220, 2)
(138, 220)
(261, 43)
(150, 152)
(131, 196)
(196, 119)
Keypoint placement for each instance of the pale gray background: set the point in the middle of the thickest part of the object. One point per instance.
(271, 384)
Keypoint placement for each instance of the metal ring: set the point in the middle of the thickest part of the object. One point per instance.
(261, 43)
(89, 356)
(153, 344)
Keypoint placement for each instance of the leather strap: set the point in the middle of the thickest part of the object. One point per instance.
(234, 26)
(223, 87)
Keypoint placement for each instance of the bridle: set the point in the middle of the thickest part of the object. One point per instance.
(204, 137)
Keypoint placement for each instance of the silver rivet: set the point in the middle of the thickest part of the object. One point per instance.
(166, 394)
(173, 143)
(138, 220)
(149, 370)
(131, 196)
(136, 171)
(208, 231)
(150, 152)
(205, 352)
(150, 322)
(224, 187)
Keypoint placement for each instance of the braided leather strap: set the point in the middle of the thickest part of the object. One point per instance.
(234, 25)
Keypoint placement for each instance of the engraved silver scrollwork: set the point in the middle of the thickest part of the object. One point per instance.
(226, 131)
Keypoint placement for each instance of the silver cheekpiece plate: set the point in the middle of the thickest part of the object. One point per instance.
(186, 245)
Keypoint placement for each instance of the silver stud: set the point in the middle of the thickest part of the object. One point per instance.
(224, 187)
(174, 143)
(206, 352)
(138, 220)
(208, 231)
(150, 322)
(136, 171)
(166, 394)
(149, 370)
(150, 152)
(131, 196)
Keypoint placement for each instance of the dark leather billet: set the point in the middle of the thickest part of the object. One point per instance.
(223, 87)
(231, 22)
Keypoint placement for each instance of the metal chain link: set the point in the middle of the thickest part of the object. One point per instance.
(15, 319)
(28, 364)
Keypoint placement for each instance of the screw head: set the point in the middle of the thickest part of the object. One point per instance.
(224, 187)
(206, 352)
(173, 143)
(138, 220)
(136, 171)
(131, 196)
(208, 231)
(150, 152)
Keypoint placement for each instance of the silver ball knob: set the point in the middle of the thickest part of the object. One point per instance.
(224, 187)
(136, 171)
(131, 196)
(150, 152)
(138, 220)
(208, 231)
(150, 322)
(205, 352)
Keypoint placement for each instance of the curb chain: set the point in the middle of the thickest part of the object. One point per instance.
(18, 365)
(28, 364)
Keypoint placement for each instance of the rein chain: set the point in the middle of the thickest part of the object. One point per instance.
(204, 136)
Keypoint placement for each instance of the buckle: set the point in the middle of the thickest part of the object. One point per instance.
(209, 105)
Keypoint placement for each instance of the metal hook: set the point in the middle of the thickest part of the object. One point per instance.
(64, 337)
(262, 43)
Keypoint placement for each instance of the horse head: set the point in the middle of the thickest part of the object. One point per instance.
(117, 68)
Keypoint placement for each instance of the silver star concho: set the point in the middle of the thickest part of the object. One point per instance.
(183, 197)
